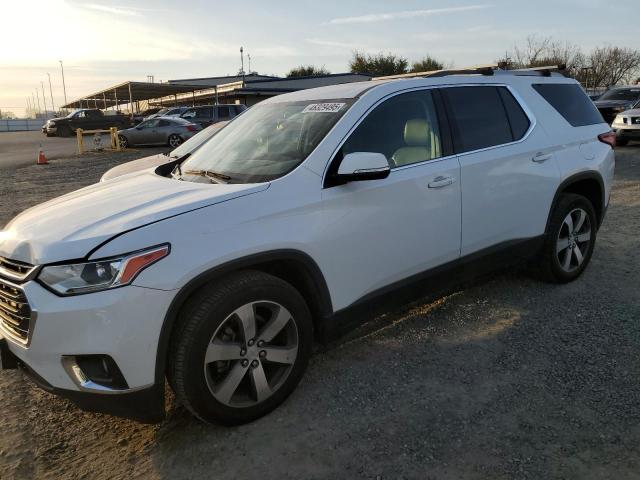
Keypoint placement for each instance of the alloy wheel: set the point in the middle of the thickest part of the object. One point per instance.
(251, 354)
(175, 141)
(574, 240)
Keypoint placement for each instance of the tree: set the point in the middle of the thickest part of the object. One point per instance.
(427, 64)
(611, 65)
(307, 71)
(378, 65)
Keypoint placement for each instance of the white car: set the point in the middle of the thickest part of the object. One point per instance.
(627, 126)
(218, 272)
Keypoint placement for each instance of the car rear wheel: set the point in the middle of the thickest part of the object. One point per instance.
(241, 347)
(124, 142)
(175, 140)
(570, 239)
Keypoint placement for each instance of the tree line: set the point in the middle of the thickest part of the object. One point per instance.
(601, 67)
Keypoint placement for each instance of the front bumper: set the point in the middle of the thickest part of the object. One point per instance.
(123, 324)
(627, 131)
(51, 130)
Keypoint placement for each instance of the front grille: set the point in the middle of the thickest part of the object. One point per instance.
(14, 270)
(15, 312)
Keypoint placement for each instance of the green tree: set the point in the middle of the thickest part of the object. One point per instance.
(427, 64)
(307, 71)
(378, 65)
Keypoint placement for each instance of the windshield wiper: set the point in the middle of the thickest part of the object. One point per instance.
(210, 174)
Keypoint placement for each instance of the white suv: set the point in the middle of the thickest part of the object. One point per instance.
(219, 270)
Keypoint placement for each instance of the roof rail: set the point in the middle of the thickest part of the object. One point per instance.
(476, 70)
(545, 71)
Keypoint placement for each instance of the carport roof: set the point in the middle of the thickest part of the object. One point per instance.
(129, 92)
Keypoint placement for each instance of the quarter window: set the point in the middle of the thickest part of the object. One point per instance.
(404, 129)
(479, 117)
(571, 102)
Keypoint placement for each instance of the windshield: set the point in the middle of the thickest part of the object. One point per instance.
(197, 140)
(266, 142)
(627, 94)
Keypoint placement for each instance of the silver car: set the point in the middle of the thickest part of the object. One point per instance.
(170, 131)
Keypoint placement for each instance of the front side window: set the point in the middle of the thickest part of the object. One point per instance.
(479, 118)
(404, 129)
(266, 142)
(189, 114)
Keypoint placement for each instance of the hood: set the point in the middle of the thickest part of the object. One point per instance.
(631, 112)
(56, 119)
(613, 103)
(69, 227)
(135, 166)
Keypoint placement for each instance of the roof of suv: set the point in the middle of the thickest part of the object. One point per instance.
(355, 89)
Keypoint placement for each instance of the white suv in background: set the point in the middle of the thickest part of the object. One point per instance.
(219, 270)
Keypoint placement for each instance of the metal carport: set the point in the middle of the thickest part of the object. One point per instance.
(131, 93)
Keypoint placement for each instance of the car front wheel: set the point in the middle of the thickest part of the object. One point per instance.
(124, 142)
(570, 239)
(241, 347)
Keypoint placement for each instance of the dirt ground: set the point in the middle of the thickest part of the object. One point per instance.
(510, 378)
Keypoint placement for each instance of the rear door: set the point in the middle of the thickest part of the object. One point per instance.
(382, 231)
(509, 175)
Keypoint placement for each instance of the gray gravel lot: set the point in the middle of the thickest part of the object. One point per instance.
(509, 378)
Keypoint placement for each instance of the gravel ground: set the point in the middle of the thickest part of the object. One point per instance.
(509, 378)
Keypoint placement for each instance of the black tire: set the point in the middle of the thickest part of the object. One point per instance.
(549, 265)
(203, 315)
(174, 140)
(622, 142)
(124, 142)
(64, 131)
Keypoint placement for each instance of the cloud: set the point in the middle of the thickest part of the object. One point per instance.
(330, 43)
(127, 12)
(383, 17)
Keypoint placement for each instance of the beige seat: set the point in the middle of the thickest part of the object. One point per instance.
(421, 143)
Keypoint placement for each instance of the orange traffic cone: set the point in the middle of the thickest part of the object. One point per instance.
(41, 159)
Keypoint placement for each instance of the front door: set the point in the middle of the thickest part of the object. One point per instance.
(380, 232)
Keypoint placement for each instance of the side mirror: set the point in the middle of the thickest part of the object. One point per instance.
(363, 166)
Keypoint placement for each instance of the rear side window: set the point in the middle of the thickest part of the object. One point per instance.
(517, 118)
(479, 117)
(571, 102)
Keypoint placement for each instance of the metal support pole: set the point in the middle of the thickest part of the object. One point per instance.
(130, 99)
(193, 98)
(104, 100)
(115, 93)
(175, 100)
(216, 89)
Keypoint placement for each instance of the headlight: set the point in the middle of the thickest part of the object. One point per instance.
(51, 123)
(88, 277)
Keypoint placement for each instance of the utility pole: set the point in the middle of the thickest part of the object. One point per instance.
(44, 100)
(64, 88)
(53, 109)
(38, 97)
(242, 64)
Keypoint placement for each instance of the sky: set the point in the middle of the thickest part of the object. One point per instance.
(104, 42)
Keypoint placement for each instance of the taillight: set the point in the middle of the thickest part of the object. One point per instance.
(609, 138)
(192, 128)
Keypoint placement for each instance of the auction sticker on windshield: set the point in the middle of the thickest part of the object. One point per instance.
(323, 107)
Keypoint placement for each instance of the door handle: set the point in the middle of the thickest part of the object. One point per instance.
(541, 157)
(440, 182)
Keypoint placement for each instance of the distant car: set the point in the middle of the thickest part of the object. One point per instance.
(627, 126)
(170, 131)
(140, 116)
(156, 160)
(206, 115)
(168, 112)
(87, 119)
(617, 100)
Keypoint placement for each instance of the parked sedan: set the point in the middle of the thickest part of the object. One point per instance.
(206, 115)
(168, 112)
(170, 131)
